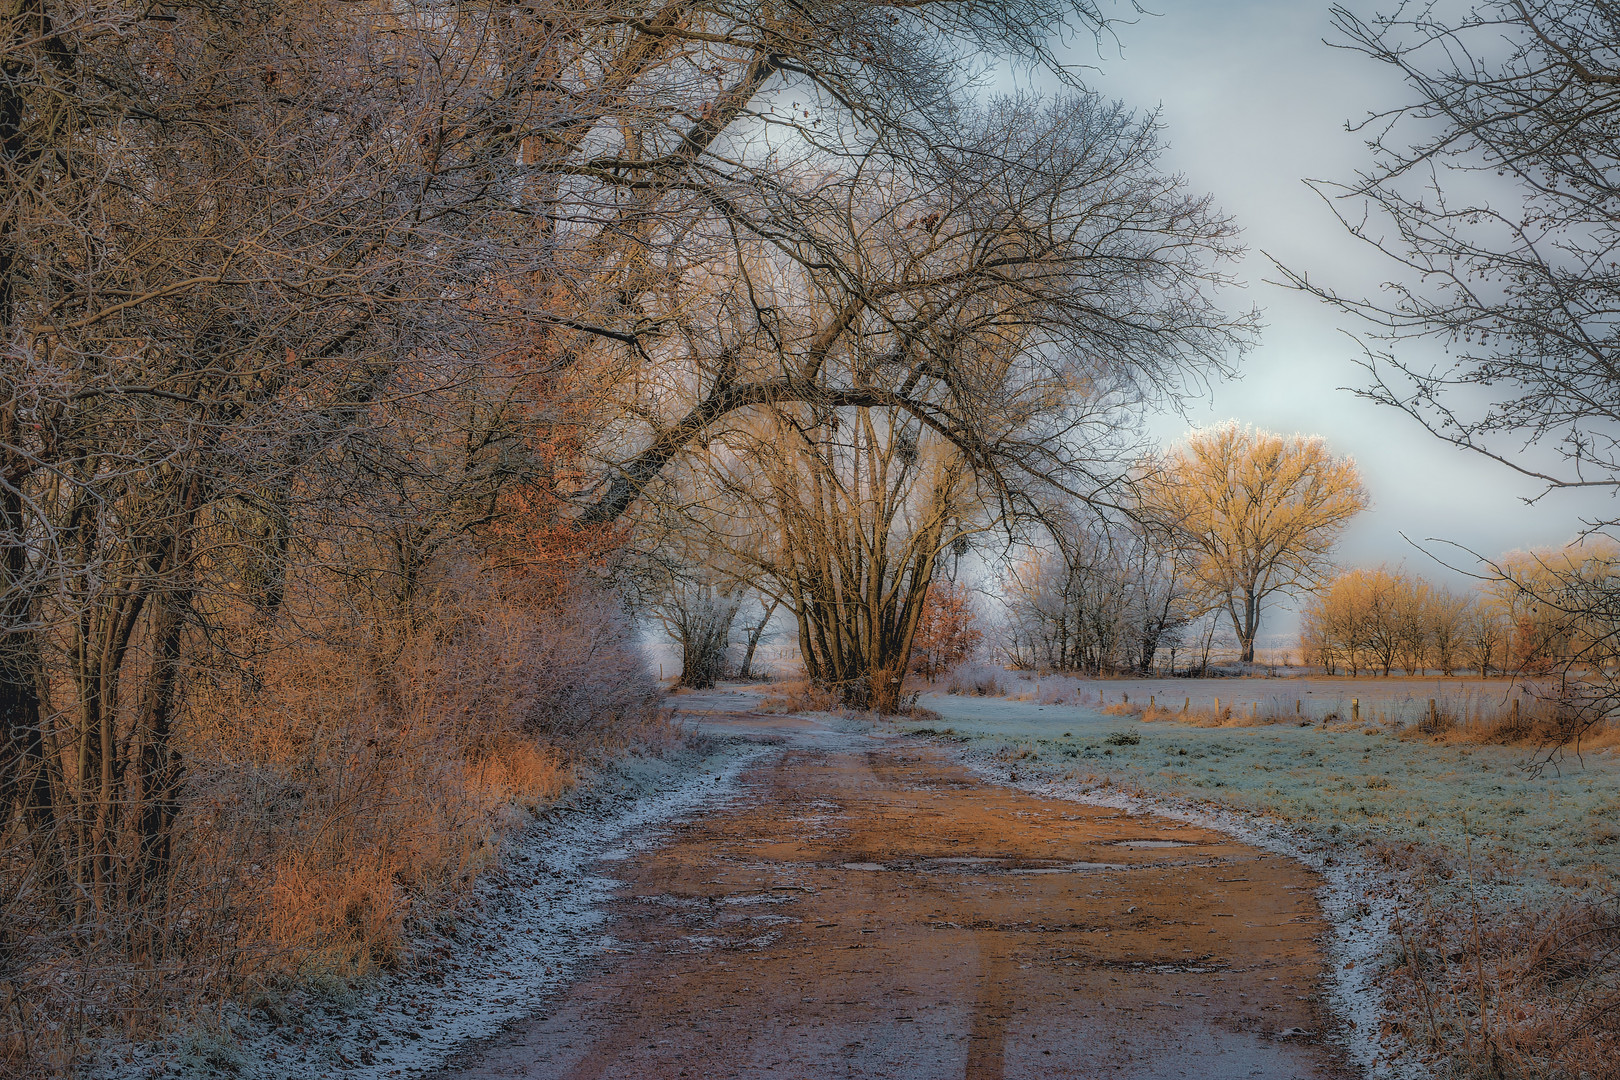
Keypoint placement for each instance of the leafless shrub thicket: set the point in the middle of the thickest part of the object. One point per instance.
(271, 361)
(1110, 599)
(699, 618)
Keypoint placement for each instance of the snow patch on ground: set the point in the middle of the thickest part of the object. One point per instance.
(1358, 899)
(533, 923)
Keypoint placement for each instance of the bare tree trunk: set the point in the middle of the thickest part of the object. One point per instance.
(755, 633)
(160, 768)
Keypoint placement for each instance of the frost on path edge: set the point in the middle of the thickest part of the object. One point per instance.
(1358, 899)
(532, 923)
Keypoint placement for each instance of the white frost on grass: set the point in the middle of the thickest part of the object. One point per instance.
(1358, 899)
(535, 921)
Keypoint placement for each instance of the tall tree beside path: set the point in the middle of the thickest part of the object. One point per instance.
(1258, 513)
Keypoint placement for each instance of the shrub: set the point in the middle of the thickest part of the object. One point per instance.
(946, 633)
(353, 787)
(976, 682)
(796, 696)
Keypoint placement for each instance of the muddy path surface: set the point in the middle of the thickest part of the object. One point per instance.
(868, 908)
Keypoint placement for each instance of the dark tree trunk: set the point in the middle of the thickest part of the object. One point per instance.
(160, 767)
(755, 633)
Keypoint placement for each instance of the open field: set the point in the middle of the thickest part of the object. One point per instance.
(1383, 701)
(1562, 822)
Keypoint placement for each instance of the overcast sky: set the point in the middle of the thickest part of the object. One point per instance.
(1253, 102)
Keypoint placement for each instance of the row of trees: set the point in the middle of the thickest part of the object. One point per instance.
(1221, 526)
(1379, 620)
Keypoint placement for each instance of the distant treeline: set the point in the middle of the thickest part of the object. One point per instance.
(1534, 614)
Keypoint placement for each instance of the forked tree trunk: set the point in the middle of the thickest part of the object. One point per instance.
(755, 633)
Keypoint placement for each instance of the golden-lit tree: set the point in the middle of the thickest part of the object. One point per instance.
(847, 515)
(1258, 514)
(1557, 608)
(1376, 619)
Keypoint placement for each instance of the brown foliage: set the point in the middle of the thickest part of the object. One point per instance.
(798, 696)
(946, 634)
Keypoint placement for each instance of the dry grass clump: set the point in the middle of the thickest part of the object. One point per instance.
(1521, 721)
(350, 786)
(1466, 722)
(796, 696)
(1226, 716)
(804, 695)
(1524, 994)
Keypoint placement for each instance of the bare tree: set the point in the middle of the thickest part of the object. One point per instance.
(1493, 193)
(699, 617)
(863, 505)
(1009, 288)
(1258, 514)
(1484, 639)
(987, 311)
(768, 603)
(1448, 615)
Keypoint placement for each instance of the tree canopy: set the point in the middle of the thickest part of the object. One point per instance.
(1258, 514)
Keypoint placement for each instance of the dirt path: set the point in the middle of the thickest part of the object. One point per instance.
(870, 909)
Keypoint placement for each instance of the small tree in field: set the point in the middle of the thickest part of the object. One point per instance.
(1448, 624)
(1258, 514)
(946, 634)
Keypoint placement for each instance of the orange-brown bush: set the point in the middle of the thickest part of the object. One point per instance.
(798, 695)
(946, 634)
(341, 794)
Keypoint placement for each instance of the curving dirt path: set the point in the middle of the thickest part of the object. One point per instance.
(868, 908)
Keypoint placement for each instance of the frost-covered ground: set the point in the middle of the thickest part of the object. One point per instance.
(1328, 798)
(1305, 792)
(1557, 824)
(534, 923)
(1380, 700)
